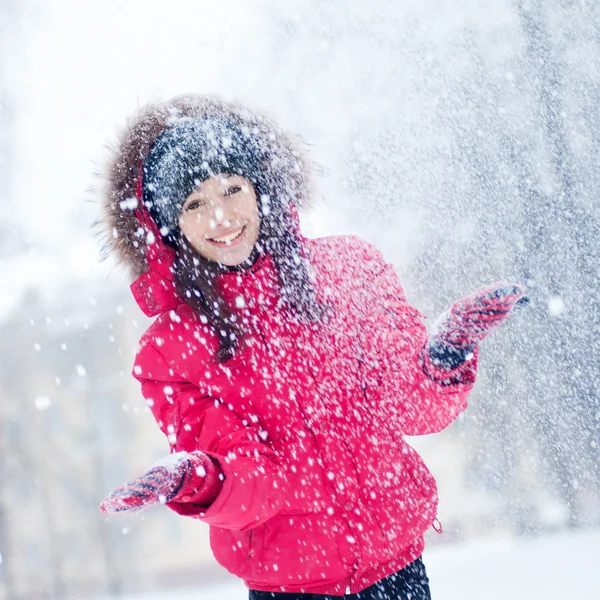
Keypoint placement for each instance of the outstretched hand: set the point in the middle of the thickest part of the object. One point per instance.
(471, 319)
(175, 476)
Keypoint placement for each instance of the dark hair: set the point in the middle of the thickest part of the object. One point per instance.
(194, 278)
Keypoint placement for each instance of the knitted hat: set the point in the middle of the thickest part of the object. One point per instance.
(184, 155)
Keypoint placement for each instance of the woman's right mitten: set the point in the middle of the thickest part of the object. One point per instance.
(182, 476)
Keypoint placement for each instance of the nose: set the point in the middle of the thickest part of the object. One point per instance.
(219, 214)
(218, 217)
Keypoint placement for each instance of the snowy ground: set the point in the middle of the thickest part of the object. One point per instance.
(558, 567)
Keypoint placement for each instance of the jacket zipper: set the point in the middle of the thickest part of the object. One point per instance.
(349, 579)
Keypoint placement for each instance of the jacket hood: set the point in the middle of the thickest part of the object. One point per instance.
(286, 169)
(154, 291)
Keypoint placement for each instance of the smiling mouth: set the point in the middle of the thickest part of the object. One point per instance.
(226, 240)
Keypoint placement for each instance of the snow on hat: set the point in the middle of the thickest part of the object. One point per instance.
(187, 153)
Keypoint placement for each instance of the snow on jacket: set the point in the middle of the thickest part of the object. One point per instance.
(321, 492)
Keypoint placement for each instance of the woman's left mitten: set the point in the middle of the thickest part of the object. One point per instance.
(471, 319)
(467, 322)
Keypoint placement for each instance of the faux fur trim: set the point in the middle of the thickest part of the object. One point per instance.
(288, 171)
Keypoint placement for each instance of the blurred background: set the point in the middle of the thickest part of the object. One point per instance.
(461, 137)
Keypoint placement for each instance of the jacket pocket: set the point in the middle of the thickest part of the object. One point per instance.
(302, 549)
(425, 484)
(237, 551)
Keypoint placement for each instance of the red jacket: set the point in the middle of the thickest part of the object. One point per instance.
(321, 492)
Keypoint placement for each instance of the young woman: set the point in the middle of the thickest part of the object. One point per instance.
(284, 371)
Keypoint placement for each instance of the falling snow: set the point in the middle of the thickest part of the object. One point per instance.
(460, 139)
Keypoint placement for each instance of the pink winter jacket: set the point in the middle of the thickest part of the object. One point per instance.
(321, 492)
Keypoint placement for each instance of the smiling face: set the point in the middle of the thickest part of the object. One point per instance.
(220, 219)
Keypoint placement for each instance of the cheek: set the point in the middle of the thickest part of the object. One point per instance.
(193, 227)
(249, 210)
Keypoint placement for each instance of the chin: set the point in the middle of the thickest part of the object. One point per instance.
(232, 261)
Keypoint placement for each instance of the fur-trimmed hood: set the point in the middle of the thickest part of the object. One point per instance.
(286, 168)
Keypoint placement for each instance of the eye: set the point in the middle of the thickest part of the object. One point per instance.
(194, 204)
(234, 189)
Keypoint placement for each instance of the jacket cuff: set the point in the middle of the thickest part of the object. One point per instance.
(204, 484)
(449, 366)
(447, 356)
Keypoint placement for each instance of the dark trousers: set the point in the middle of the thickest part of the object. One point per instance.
(411, 583)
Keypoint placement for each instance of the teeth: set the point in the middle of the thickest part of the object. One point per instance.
(228, 238)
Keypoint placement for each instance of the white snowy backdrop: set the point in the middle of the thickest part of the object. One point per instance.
(460, 136)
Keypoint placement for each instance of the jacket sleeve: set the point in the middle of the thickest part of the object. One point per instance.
(398, 376)
(252, 488)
